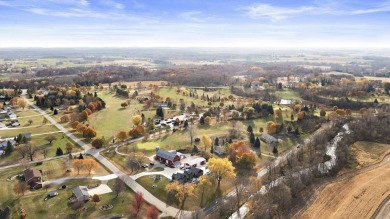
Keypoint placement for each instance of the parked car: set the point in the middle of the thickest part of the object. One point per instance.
(15, 124)
(151, 164)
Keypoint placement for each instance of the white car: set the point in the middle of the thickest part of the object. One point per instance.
(2, 125)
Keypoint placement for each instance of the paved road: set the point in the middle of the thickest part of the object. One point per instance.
(168, 210)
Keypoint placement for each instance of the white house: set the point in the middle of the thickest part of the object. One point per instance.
(285, 102)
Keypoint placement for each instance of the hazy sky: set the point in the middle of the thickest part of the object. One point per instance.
(195, 23)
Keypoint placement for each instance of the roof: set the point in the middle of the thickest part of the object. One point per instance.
(4, 143)
(196, 161)
(31, 173)
(80, 192)
(268, 138)
(166, 154)
(285, 102)
(194, 170)
(218, 149)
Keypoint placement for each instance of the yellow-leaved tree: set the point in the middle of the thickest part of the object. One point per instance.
(181, 191)
(206, 140)
(137, 120)
(221, 168)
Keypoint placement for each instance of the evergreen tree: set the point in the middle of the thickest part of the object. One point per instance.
(59, 152)
(216, 141)
(9, 148)
(252, 138)
(186, 124)
(292, 117)
(81, 156)
(201, 121)
(249, 129)
(257, 143)
(275, 151)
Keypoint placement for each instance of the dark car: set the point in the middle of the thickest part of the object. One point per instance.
(144, 166)
(151, 164)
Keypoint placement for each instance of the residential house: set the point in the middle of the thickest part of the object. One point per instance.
(33, 178)
(27, 136)
(81, 193)
(219, 150)
(188, 175)
(168, 157)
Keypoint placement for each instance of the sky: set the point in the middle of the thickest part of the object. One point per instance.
(195, 23)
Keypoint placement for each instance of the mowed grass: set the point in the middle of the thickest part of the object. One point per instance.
(41, 129)
(40, 142)
(287, 94)
(23, 113)
(109, 121)
(171, 93)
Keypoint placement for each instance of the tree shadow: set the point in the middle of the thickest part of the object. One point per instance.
(121, 109)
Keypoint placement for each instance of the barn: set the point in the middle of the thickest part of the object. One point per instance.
(168, 157)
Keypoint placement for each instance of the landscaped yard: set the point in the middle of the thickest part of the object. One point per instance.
(192, 202)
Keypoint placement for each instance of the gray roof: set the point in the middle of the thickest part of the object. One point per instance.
(27, 135)
(166, 154)
(81, 193)
(268, 138)
(4, 143)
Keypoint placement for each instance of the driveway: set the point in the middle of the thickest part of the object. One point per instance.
(101, 189)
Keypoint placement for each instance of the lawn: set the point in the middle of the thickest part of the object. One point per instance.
(374, 148)
(40, 141)
(287, 94)
(12, 132)
(192, 202)
(109, 121)
(36, 120)
(24, 113)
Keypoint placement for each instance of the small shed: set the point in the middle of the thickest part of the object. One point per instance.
(268, 139)
(81, 193)
(53, 193)
(285, 102)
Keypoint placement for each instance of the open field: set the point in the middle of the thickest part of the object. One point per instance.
(365, 152)
(354, 196)
(144, 83)
(26, 113)
(287, 94)
(109, 121)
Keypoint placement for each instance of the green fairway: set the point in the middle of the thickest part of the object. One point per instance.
(287, 94)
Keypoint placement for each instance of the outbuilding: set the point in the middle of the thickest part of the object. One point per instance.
(195, 162)
(168, 157)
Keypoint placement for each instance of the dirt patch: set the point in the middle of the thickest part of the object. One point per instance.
(366, 153)
(355, 196)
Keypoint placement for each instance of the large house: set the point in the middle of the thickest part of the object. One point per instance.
(188, 175)
(33, 178)
(168, 157)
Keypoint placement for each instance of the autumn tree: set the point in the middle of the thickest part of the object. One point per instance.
(181, 191)
(75, 124)
(205, 182)
(221, 168)
(69, 147)
(89, 133)
(81, 128)
(90, 164)
(207, 120)
(78, 164)
(64, 118)
(20, 188)
(22, 103)
(136, 203)
(137, 131)
(271, 127)
(152, 212)
(207, 142)
(122, 135)
(96, 198)
(97, 143)
(322, 113)
(241, 155)
(50, 138)
(137, 120)
(124, 104)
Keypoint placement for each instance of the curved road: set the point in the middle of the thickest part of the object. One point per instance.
(168, 210)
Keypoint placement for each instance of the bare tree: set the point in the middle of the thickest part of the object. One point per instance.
(29, 150)
(119, 186)
(192, 131)
(44, 151)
